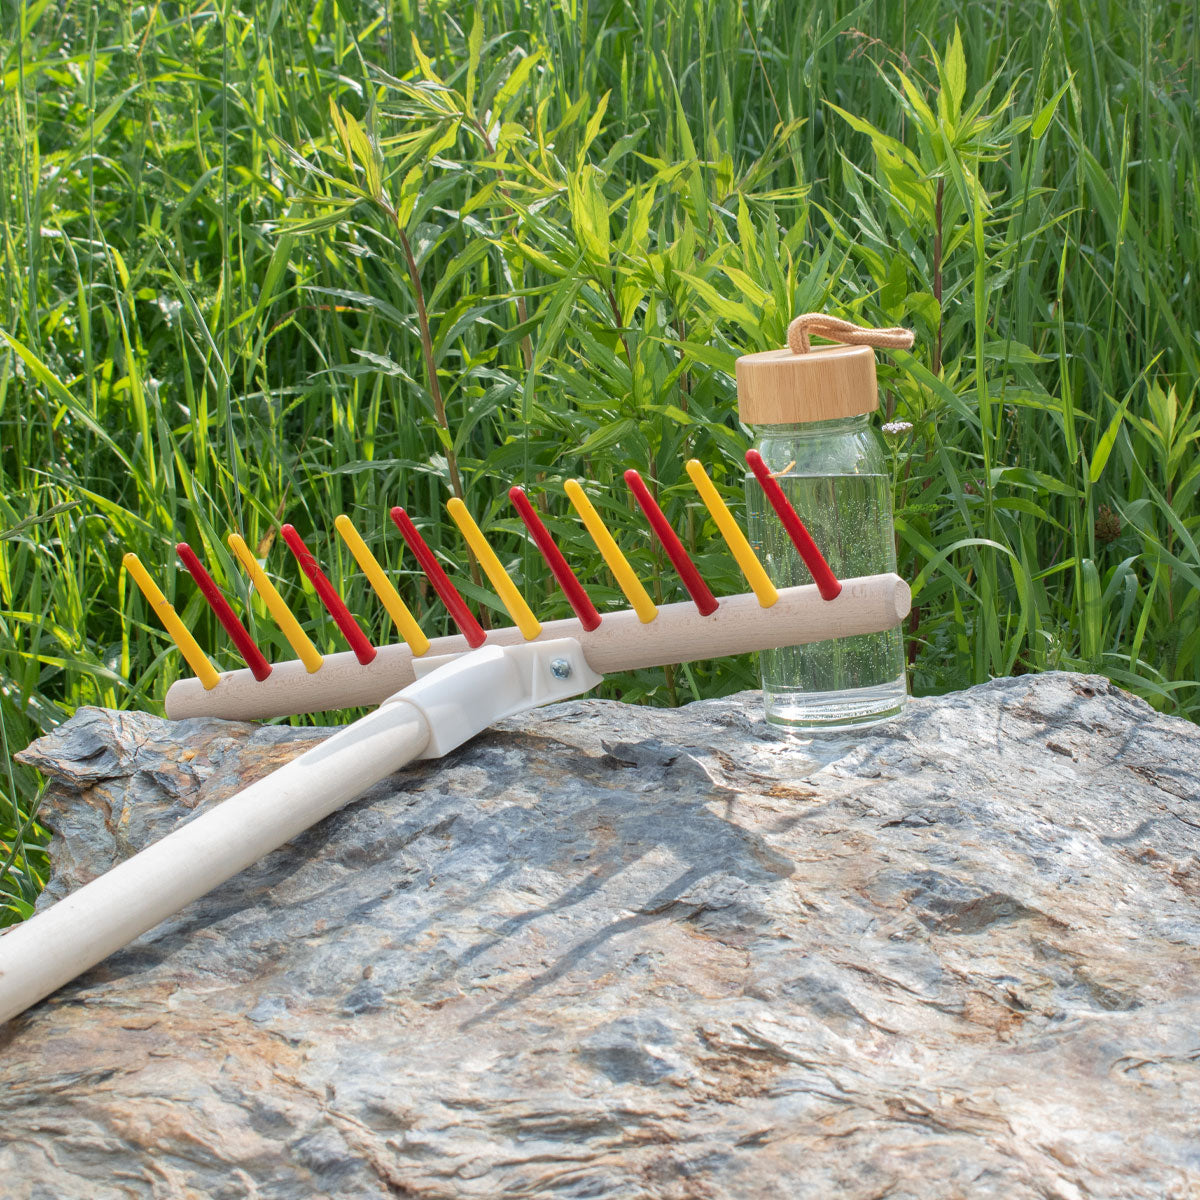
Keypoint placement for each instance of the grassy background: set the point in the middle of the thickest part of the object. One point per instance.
(271, 261)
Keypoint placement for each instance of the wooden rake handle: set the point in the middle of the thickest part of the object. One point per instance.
(431, 717)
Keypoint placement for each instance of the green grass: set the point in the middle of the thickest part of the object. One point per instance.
(276, 260)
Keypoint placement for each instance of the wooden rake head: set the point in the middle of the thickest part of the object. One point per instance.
(642, 635)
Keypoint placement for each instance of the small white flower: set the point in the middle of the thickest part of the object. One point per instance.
(169, 307)
(896, 428)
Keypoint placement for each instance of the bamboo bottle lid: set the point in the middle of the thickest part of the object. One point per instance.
(780, 387)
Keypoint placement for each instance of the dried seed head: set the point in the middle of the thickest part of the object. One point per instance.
(1108, 525)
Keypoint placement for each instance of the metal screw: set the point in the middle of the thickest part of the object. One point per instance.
(560, 668)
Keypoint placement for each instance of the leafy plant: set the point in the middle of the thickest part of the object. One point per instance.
(270, 263)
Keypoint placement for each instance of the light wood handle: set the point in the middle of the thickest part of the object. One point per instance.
(867, 604)
(50, 949)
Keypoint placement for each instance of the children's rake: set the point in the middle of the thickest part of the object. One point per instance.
(432, 695)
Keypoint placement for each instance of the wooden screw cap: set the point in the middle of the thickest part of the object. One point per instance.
(778, 387)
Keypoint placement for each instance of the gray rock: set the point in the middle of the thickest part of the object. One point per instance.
(613, 952)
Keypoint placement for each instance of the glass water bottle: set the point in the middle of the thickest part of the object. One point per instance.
(812, 415)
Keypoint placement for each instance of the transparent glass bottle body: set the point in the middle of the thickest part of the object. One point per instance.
(835, 473)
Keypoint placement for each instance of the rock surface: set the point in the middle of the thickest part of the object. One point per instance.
(612, 952)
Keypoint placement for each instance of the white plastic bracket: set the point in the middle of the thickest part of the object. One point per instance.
(460, 695)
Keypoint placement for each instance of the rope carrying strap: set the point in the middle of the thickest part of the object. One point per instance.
(834, 329)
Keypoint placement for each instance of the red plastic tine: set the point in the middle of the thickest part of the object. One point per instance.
(704, 600)
(363, 650)
(814, 560)
(577, 598)
(447, 592)
(240, 635)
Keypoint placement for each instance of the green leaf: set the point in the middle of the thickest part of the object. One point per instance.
(1024, 477)
(1091, 614)
(275, 272)
(605, 436)
(554, 320)
(706, 354)
(423, 63)
(956, 73)
(1011, 352)
(515, 83)
(593, 127)
(1020, 504)
(1046, 114)
(410, 191)
(696, 188)
(473, 253)
(102, 119)
(590, 213)
(894, 289)
(921, 110)
(474, 49)
(1107, 439)
(721, 306)
(925, 306)
(880, 141)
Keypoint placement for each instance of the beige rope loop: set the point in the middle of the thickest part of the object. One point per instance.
(834, 329)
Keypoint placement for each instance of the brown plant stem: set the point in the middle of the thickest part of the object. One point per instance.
(435, 392)
(435, 387)
(937, 273)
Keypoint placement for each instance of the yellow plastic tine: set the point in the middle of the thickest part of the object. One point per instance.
(512, 599)
(179, 633)
(618, 564)
(404, 621)
(731, 531)
(306, 652)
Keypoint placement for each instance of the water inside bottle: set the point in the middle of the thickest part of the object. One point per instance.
(848, 681)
